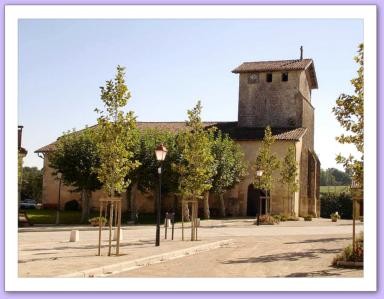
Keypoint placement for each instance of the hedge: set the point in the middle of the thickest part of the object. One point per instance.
(331, 203)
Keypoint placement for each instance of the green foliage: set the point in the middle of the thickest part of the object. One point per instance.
(116, 136)
(333, 202)
(267, 220)
(76, 157)
(308, 218)
(335, 215)
(293, 218)
(146, 174)
(229, 163)
(31, 183)
(334, 177)
(289, 173)
(195, 165)
(349, 112)
(72, 205)
(97, 220)
(347, 255)
(266, 161)
(19, 169)
(324, 190)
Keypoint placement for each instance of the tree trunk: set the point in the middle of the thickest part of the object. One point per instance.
(186, 213)
(222, 205)
(85, 196)
(206, 206)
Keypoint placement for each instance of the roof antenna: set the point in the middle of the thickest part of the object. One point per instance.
(301, 52)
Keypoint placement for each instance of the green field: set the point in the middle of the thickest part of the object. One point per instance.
(334, 189)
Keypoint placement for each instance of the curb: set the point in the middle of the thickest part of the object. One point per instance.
(104, 271)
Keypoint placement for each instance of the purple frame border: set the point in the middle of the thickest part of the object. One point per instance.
(221, 295)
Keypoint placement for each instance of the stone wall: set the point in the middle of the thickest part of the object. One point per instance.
(275, 103)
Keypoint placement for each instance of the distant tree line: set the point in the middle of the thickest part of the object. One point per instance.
(31, 183)
(334, 177)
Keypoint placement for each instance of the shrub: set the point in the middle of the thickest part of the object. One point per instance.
(332, 202)
(95, 220)
(293, 218)
(308, 218)
(267, 220)
(72, 205)
(277, 217)
(347, 255)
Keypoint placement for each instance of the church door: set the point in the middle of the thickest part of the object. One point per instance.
(255, 200)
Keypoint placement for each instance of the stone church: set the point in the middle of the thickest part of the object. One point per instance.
(274, 93)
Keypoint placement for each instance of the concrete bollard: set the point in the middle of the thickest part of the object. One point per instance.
(115, 234)
(167, 223)
(75, 236)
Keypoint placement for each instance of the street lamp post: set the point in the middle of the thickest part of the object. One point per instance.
(259, 173)
(160, 152)
(59, 175)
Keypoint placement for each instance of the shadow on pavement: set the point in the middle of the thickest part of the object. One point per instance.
(318, 240)
(95, 246)
(289, 256)
(320, 273)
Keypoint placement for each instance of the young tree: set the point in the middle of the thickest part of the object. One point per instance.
(230, 166)
(268, 163)
(115, 136)
(76, 157)
(194, 163)
(288, 176)
(349, 112)
(197, 161)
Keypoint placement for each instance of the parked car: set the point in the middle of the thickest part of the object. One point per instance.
(28, 203)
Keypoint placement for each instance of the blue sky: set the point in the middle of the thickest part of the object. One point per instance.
(170, 64)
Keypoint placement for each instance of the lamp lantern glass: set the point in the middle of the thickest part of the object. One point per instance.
(161, 152)
(259, 173)
(59, 175)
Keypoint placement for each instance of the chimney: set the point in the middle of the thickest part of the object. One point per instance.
(301, 52)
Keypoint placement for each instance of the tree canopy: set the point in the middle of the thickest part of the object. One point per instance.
(115, 136)
(334, 177)
(31, 183)
(268, 163)
(288, 175)
(229, 164)
(349, 112)
(195, 164)
(76, 157)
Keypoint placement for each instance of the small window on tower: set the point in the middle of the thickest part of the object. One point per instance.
(284, 77)
(269, 77)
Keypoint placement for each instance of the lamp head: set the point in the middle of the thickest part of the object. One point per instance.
(161, 152)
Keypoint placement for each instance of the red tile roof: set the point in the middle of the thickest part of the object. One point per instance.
(230, 128)
(280, 65)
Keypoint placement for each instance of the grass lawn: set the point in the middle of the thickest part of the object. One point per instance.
(49, 216)
(334, 189)
(44, 216)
